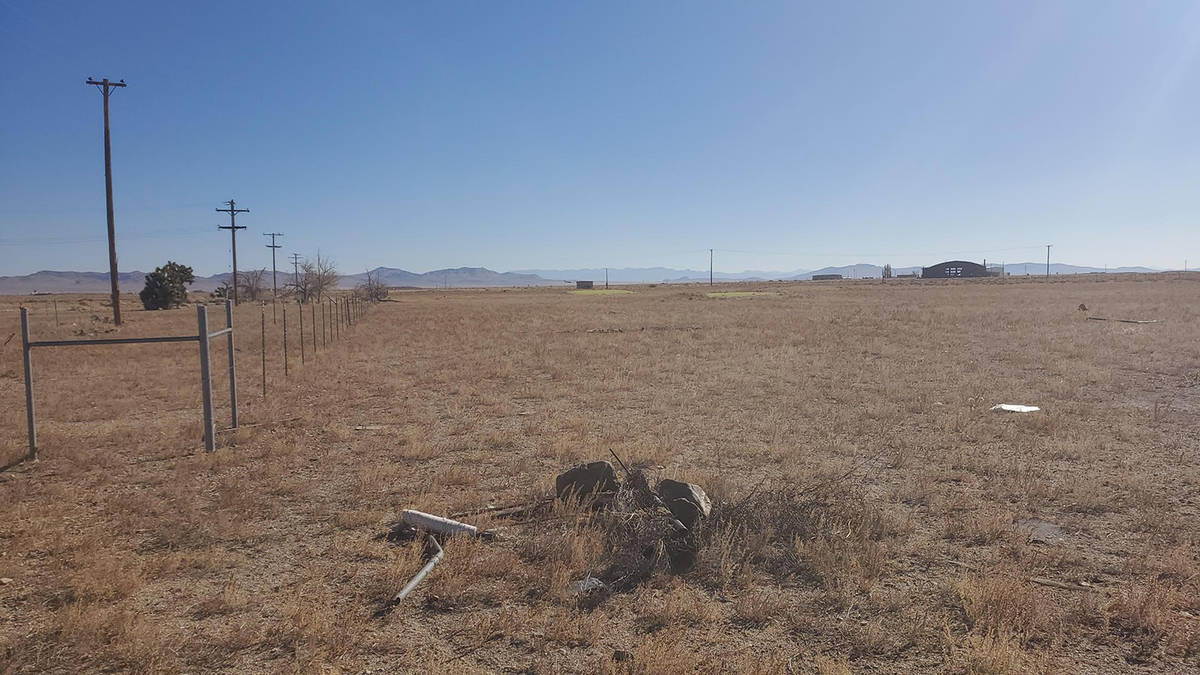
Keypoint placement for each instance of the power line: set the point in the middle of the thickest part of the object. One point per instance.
(233, 227)
(105, 88)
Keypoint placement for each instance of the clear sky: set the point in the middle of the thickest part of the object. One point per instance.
(516, 135)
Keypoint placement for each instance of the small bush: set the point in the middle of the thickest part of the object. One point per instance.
(166, 287)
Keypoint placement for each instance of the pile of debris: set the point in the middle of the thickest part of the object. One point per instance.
(646, 526)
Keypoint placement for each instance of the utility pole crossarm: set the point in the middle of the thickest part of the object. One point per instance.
(105, 82)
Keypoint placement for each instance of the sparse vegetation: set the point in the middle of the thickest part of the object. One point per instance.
(318, 279)
(251, 285)
(372, 289)
(866, 503)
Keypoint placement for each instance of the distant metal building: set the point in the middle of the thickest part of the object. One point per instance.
(826, 277)
(954, 269)
(583, 284)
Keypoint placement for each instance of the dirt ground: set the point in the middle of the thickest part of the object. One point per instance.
(871, 513)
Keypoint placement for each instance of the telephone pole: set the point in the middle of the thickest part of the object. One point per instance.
(296, 270)
(105, 88)
(710, 275)
(273, 246)
(1048, 260)
(233, 227)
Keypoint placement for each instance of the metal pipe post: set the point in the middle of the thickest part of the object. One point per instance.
(25, 354)
(300, 311)
(264, 351)
(205, 378)
(285, 360)
(232, 366)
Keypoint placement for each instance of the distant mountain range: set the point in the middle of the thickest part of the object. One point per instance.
(458, 277)
(462, 277)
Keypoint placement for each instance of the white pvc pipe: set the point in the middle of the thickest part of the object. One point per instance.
(425, 521)
(408, 588)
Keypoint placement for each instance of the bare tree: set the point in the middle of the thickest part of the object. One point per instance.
(372, 289)
(251, 284)
(317, 280)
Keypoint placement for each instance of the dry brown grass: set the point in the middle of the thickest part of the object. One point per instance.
(865, 499)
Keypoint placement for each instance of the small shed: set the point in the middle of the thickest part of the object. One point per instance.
(583, 284)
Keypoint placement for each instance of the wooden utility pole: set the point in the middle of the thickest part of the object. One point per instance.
(233, 228)
(1048, 260)
(273, 246)
(105, 87)
(710, 274)
(296, 270)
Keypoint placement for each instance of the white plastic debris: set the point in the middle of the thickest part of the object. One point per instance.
(1013, 407)
(437, 558)
(425, 521)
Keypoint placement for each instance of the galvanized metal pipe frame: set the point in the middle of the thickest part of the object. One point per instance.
(202, 336)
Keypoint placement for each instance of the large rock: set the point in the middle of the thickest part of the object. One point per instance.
(585, 480)
(687, 501)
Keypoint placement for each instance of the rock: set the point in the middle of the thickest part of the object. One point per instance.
(586, 479)
(5, 581)
(687, 501)
(621, 656)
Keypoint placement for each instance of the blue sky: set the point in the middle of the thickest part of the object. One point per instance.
(516, 135)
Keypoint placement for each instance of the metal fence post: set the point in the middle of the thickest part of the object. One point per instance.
(300, 311)
(205, 379)
(232, 365)
(285, 360)
(27, 357)
(264, 351)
